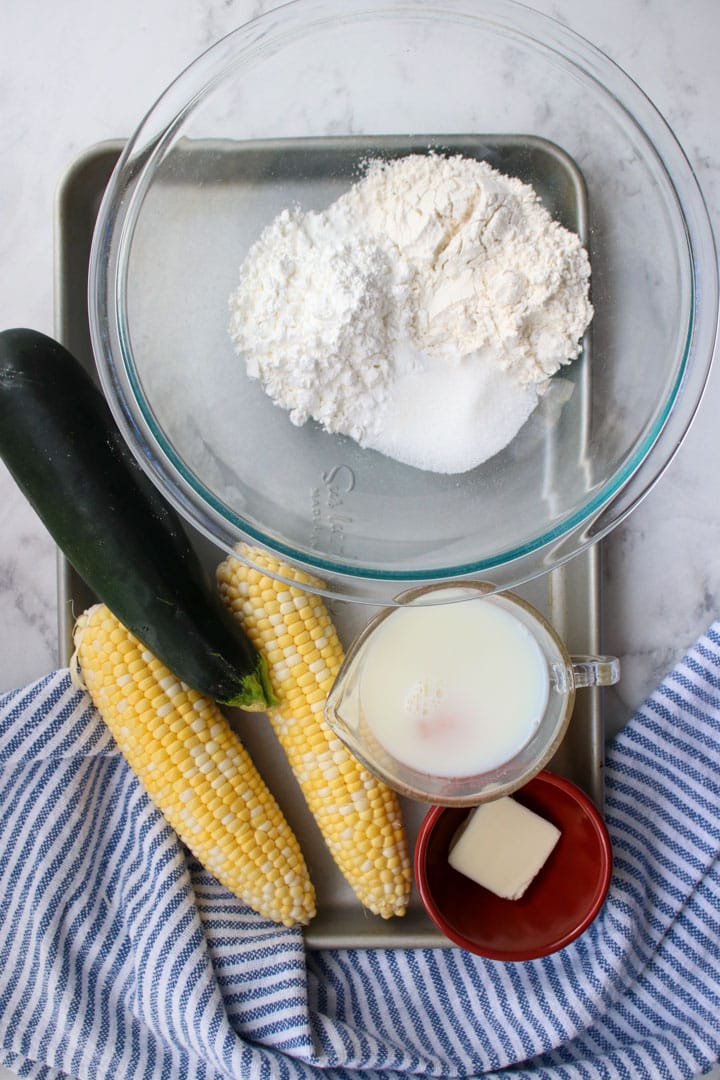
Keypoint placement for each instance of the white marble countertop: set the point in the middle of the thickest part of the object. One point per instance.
(662, 568)
(76, 73)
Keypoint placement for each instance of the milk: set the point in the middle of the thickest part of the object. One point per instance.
(453, 689)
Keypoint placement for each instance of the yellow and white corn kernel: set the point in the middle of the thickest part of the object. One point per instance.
(358, 816)
(195, 770)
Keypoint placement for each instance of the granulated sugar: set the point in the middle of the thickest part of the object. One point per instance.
(448, 418)
(422, 313)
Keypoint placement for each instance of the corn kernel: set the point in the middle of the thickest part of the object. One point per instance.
(352, 808)
(181, 745)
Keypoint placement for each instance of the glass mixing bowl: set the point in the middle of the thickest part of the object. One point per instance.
(284, 111)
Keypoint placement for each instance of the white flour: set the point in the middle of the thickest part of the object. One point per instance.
(422, 313)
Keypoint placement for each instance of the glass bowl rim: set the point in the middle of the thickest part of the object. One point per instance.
(122, 203)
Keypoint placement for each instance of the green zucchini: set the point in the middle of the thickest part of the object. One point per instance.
(61, 444)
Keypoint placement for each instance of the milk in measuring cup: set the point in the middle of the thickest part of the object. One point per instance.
(453, 689)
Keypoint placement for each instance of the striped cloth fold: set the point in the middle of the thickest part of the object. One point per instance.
(120, 957)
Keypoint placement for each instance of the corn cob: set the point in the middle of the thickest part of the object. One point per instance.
(195, 770)
(358, 816)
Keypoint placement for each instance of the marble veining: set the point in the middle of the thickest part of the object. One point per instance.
(662, 567)
(662, 574)
(76, 73)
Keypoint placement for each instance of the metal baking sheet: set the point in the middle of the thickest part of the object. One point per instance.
(569, 596)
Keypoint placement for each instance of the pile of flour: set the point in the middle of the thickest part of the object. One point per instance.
(422, 313)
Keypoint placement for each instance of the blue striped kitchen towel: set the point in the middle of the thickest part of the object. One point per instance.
(121, 958)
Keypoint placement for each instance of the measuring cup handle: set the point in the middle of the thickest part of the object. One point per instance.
(595, 670)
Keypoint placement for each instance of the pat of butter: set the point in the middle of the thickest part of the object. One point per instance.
(502, 846)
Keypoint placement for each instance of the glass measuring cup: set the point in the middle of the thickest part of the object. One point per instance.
(346, 709)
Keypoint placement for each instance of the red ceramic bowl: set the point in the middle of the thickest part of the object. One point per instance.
(558, 905)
